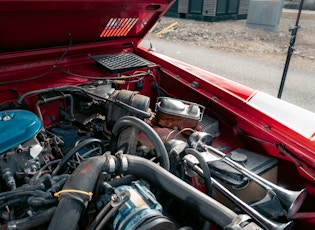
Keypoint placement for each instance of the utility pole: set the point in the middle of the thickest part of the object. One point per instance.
(290, 49)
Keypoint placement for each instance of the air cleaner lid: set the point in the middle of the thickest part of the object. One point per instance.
(16, 127)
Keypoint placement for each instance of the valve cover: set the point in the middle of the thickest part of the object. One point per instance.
(17, 127)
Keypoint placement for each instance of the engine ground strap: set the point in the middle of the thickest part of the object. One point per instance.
(89, 194)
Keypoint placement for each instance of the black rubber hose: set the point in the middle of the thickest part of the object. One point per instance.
(108, 211)
(148, 131)
(100, 215)
(131, 109)
(204, 167)
(209, 208)
(32, 221)
(72, 205)
(126, 180)
(12, 202)
(22, 194)
(21, 191)
(75, 149)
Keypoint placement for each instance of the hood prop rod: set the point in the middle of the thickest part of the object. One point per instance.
(293, 31)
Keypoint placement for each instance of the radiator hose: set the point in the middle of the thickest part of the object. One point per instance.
(72, 204)
(84, 178)
(209, 208)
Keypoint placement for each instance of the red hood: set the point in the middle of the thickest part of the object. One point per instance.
(37, 24)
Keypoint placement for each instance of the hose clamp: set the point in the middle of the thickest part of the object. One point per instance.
(122, 161)
(240, 222)
(111, 164)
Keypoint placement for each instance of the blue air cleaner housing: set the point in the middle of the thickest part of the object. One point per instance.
(17, 127)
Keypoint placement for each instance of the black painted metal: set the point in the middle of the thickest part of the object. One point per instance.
(294, 31)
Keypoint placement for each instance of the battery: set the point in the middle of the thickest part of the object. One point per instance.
(240, 185)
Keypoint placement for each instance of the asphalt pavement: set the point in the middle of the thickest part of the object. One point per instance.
(261, 75)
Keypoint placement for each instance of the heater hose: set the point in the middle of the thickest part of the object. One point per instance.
(148, 131)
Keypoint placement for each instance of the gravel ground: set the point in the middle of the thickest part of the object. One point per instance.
(235, 37)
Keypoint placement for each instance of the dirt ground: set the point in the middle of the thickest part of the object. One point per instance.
(235, 37)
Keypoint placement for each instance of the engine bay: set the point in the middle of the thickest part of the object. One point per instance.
(97, 132)
(125, 153)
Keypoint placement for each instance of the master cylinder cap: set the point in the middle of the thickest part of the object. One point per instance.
(17, 127)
